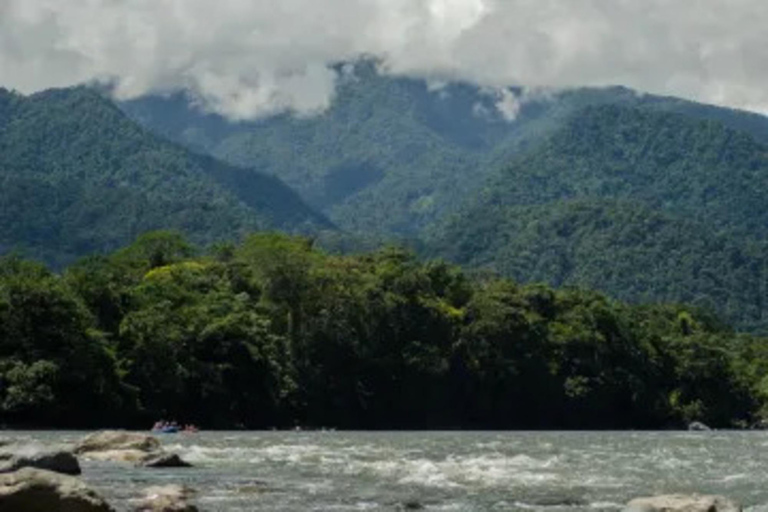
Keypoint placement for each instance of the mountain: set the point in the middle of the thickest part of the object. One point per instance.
(646, 205)
(628, 249)
(645, 197)
(393, 154)
(669, 161)
(78, 176)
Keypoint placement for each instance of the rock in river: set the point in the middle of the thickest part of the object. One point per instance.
(119, 446)
(117, 440)
(168, 498)
(164, 460)
(37, 490)
(30, 456)
(683, 503)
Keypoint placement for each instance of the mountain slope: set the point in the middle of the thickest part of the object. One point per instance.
(643, 204)
(392, 154)
(630, 250)
(687, 167)
(79, 176)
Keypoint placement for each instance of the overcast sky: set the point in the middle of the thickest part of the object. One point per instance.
(246, 58)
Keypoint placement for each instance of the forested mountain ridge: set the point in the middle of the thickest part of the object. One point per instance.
(688, 167)
(626, 249)
(78, 176)
(393, 155)
(645, 205)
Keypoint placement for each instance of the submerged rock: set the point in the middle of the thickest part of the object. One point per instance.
(164, 460)
(167, 498)
(58, 461)
(682, 503)
(37, 490)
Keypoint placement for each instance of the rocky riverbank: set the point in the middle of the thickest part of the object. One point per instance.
(38, 478)
(44, 478)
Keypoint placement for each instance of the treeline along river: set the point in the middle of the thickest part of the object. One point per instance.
(441, 471)
(273, 332)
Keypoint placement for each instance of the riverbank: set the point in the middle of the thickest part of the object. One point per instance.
(466, 471)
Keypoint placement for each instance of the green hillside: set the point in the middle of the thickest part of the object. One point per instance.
(79, 176)
(643, 204)
(698, 169)
(627, 249)
(389, 156)
(393, 155)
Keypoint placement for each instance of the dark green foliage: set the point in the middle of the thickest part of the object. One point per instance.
(273, 332)
(77, 177)
(393, 155)
(644, 205)
(627, 249)
(640, 196)
(389, 157)
(55, 368)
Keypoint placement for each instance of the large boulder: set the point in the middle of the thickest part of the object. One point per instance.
(164, 460)
(698, 426)
(682, 503)
(118, 446)
(30, 456)
(167, 498)
(37, 490)
(117, 440)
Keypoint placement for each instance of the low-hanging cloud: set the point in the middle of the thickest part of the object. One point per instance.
(246, 58)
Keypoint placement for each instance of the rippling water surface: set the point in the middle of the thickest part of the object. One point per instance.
(461, 471)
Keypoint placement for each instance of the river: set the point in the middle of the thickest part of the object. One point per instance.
(442, 471)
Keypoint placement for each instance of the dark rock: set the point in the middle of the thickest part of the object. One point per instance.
(682, 503)
(37, 490)
(697, 426)
(410, 505)
(164, 460)
(59, 461)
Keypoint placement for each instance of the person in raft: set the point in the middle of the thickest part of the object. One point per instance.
(172, 426)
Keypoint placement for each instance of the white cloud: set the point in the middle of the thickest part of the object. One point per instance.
(247, 58)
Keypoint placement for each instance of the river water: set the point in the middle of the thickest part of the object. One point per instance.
(442, 471)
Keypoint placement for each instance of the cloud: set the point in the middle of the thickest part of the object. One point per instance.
(246, 58)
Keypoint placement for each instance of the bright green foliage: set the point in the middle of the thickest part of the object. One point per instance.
(273, 332)
(79, 177)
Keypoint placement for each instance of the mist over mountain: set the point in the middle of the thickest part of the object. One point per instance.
(394, 155)
(78, 177)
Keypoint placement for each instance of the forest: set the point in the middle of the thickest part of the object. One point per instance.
(77, 177)
(272, 332)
